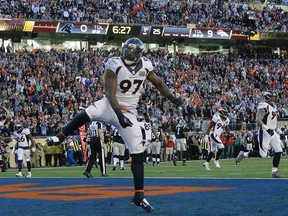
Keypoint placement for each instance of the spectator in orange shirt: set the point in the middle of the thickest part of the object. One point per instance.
(169, 148)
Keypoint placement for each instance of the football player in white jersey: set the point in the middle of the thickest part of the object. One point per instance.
(219, 123)
(22, 137)
(268, 133)
(123, 82)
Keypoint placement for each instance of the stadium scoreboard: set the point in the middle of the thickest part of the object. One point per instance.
(124, 30)
(173, 32)
(158, 31)
(83, 28)
(107, 29)
(144, 31)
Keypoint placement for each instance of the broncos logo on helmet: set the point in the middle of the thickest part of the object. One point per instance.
(132, 51)
(223, 112)
(269, 95)
(18, 127)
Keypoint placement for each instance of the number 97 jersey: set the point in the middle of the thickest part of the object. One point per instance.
(130, 79)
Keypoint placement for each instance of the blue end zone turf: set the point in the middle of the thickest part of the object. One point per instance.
(112, 196)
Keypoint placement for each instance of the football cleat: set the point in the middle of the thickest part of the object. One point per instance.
(104, 175)
(174, 160)
(54, 140)
(29, 175)
(276, 175)
(206, 165)
(216, 162)
(87, 174)
(96, 164)
(114, 168)
(139, 200)
(19, 174)
(239, 157)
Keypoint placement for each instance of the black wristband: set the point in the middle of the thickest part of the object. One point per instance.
(118, 112)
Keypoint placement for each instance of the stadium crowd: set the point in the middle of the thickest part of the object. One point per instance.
(45, 89)
(214, 14)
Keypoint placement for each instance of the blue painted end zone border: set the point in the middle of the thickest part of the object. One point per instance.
(246, 197)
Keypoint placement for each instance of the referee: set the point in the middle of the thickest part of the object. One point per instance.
(95, 139)
(118, 150)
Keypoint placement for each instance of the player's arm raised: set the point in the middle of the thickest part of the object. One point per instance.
(163, 88)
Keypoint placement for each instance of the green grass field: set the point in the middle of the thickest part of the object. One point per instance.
(249, 168)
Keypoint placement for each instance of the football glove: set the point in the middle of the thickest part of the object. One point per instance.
(123, 120)
(270, 132)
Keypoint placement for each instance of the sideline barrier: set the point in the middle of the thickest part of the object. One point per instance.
(200, 126)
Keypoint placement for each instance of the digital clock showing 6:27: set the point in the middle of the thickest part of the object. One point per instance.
(124, 30)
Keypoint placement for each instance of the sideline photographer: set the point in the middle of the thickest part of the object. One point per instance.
(4, 156)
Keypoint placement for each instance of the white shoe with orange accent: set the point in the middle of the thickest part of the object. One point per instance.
(206, 165)
(19, 174)
(216, 162)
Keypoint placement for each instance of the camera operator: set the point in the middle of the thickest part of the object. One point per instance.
(4, 155)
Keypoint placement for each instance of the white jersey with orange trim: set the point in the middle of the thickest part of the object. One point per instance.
(219, 124)
(21, 138)
(271, 114)
(265, 140)
(147, 127)
(130, 82)
(129, 79)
